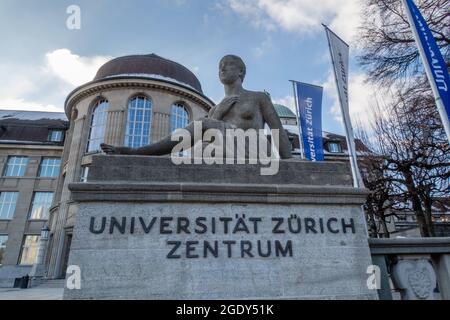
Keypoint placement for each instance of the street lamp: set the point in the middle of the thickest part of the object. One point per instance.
(45, 232)
(38, 270)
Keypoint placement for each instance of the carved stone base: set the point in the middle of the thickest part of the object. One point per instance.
(185, 235)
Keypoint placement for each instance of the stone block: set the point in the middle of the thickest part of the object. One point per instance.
(147, 229)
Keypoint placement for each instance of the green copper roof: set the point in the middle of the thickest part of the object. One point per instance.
(284, 112)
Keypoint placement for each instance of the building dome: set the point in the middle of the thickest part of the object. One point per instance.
(149, 66)
(284, 112)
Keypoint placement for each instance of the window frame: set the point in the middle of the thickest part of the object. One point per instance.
(51, 131)
(11, 214)
(32, 205)
(53, 166)
(99, 128)
(144, 125)
(174, 117)
(36, 247)
(334, 143)
(3, 247)
(20, 165)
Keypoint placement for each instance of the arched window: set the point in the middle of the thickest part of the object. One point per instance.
(139, 122)
(98, 125)
(179, 116)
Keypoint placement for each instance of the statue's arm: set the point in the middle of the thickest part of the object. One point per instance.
(211, 112)
(274, 122)
(110, 149)
(162, 147)
(165, 145)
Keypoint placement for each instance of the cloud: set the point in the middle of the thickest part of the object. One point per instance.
(301, 16)
(262, 49)
(363, 97)
(287, 101)
(45, 87)
(19, 84)
(21, 104)
(72, 68)
(254, 12)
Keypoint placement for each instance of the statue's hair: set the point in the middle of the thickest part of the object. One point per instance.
(239, 62)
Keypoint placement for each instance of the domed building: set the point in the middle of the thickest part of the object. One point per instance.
(132, 101)
(286, 115)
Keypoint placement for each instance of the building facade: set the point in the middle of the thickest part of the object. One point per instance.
(132, 101)
(402, 222)
(31, 145)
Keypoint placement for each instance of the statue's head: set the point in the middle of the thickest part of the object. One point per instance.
(231, 68)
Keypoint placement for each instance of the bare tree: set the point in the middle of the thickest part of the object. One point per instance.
(389, 53)
(378, 204)
(409, 167)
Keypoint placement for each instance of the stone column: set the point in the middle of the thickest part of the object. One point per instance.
(74, 150)
(384, 293)
(114, 128)
(161, 127)
(444, 276)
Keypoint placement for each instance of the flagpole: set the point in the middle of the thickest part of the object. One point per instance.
(299, 123)
(429, 73)
(357, 180)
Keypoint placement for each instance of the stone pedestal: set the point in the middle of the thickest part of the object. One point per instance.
(147, 229)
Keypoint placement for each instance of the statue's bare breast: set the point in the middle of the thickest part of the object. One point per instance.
(246, 113)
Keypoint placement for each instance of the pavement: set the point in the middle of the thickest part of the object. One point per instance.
(31, 294)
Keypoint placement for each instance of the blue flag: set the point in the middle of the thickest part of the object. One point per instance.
(309, 102)
(433, 57)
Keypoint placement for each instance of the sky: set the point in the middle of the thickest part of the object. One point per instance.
(42, 61)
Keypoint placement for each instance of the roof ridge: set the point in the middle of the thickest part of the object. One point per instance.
(176, 67)
(151, 55)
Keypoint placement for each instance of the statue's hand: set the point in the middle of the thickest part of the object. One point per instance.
(109, 149)
(224, 107)
(228, 102)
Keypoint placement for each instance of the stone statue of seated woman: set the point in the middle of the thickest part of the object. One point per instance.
(240, 109)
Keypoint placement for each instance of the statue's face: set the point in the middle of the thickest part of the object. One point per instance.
(229, 71)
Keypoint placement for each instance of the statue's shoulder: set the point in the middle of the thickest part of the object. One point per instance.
(259, 95)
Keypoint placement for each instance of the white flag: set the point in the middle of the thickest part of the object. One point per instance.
(339, 51)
